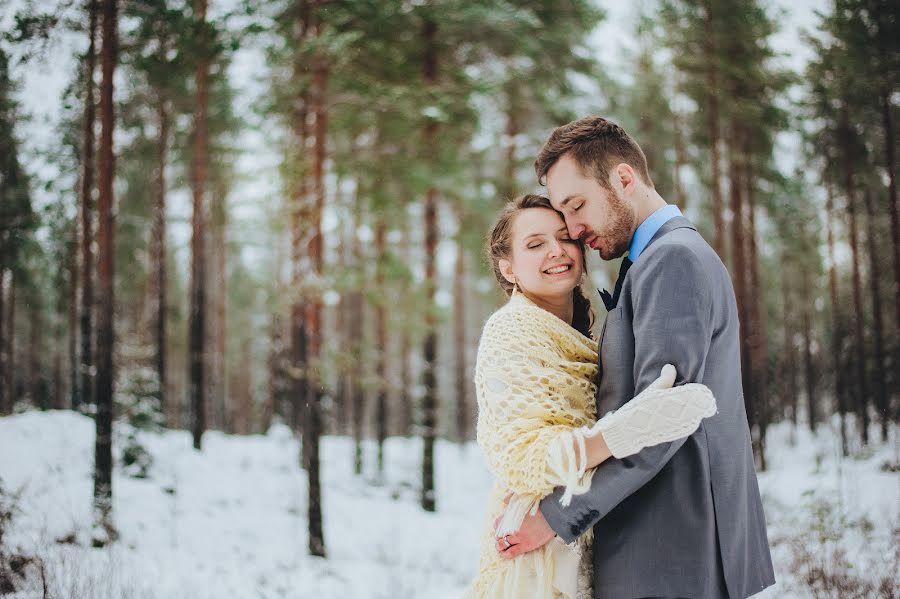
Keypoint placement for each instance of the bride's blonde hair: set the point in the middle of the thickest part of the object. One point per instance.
(499, 247)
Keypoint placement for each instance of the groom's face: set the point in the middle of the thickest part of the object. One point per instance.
(596, 214)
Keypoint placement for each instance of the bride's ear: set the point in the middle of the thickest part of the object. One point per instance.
(506, 270)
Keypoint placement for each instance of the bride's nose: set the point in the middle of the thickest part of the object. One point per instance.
(554, 249)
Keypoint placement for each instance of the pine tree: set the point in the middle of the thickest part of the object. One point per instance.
(105, 272)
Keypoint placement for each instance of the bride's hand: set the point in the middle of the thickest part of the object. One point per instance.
(533, 534)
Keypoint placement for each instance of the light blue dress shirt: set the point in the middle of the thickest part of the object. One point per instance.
(647, 229)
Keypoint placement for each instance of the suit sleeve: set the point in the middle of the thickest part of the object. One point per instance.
(672, 324)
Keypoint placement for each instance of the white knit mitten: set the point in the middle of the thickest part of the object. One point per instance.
(658, 414)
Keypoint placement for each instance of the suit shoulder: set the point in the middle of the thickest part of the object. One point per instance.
(684, 245)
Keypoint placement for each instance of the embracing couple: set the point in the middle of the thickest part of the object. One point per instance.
(622, 470)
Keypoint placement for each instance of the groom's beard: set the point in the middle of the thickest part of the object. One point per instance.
(615, 237)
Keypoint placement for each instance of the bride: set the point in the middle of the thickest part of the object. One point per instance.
(537, 424)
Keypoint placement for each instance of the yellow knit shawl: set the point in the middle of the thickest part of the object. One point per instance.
(534, 381)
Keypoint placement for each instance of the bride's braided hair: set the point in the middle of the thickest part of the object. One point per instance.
(499, 246)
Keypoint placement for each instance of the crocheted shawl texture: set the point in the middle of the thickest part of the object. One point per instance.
(534, 382)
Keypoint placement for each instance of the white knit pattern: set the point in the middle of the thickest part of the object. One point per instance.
(656, 415)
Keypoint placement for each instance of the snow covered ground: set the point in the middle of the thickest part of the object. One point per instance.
(230, 521)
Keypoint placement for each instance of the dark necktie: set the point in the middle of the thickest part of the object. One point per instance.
(610, 301)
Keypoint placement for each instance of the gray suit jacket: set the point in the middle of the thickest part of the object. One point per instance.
(680, 519)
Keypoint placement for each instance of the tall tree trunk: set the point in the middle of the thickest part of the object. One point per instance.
(85, 393)
(889, 146)
(340, 423)
(33, 375)
(9, 382)
(105, 274)
(680, 153)
(277, 385)
(881, 393)
(5, 336)
(72, 312)
(406, 375)
(58, 391)
(808, 369)
(789, 362)
(429, 402)
(381, 344)
(241, 390)
(836, 326)
(218, 390)
(158, 255)
(859, 354)
(509, 185)
(712, 123)
(300, 230)
(757, 335)
(357, 326)
(739, 273)
(459, 337)
(314, 307)
(199, 179)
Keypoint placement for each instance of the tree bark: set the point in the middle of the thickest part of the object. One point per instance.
(459, 338)
(158, 255)
(510, 186)
(429, 402)
(406, 375)
(358, 401)
(836, 326)
(889, 146)
(859, 354)
(85, 393)
(381, 344)
(300, 214)
(5, 336)
(218, 378)
(314, 307)
(199, 179)
(757, 335)
(33, 376)
(739, 272)
(680, 197)
(808, 368)
(881, 392)
(10, 374)
(712, 123)
(12, 392)
(72, 311)
(105, 274)
(789, 362)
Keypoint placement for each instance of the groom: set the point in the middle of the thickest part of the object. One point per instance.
(681, 519)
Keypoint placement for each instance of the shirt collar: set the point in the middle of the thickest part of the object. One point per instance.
(649, 227)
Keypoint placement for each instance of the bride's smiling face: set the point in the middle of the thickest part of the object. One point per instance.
(545, 261)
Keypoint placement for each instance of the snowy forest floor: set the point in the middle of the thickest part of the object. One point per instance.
(230, 521)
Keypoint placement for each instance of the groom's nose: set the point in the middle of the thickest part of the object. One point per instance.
(576, 230)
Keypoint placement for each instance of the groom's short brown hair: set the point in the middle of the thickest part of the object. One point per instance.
(597, 145)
